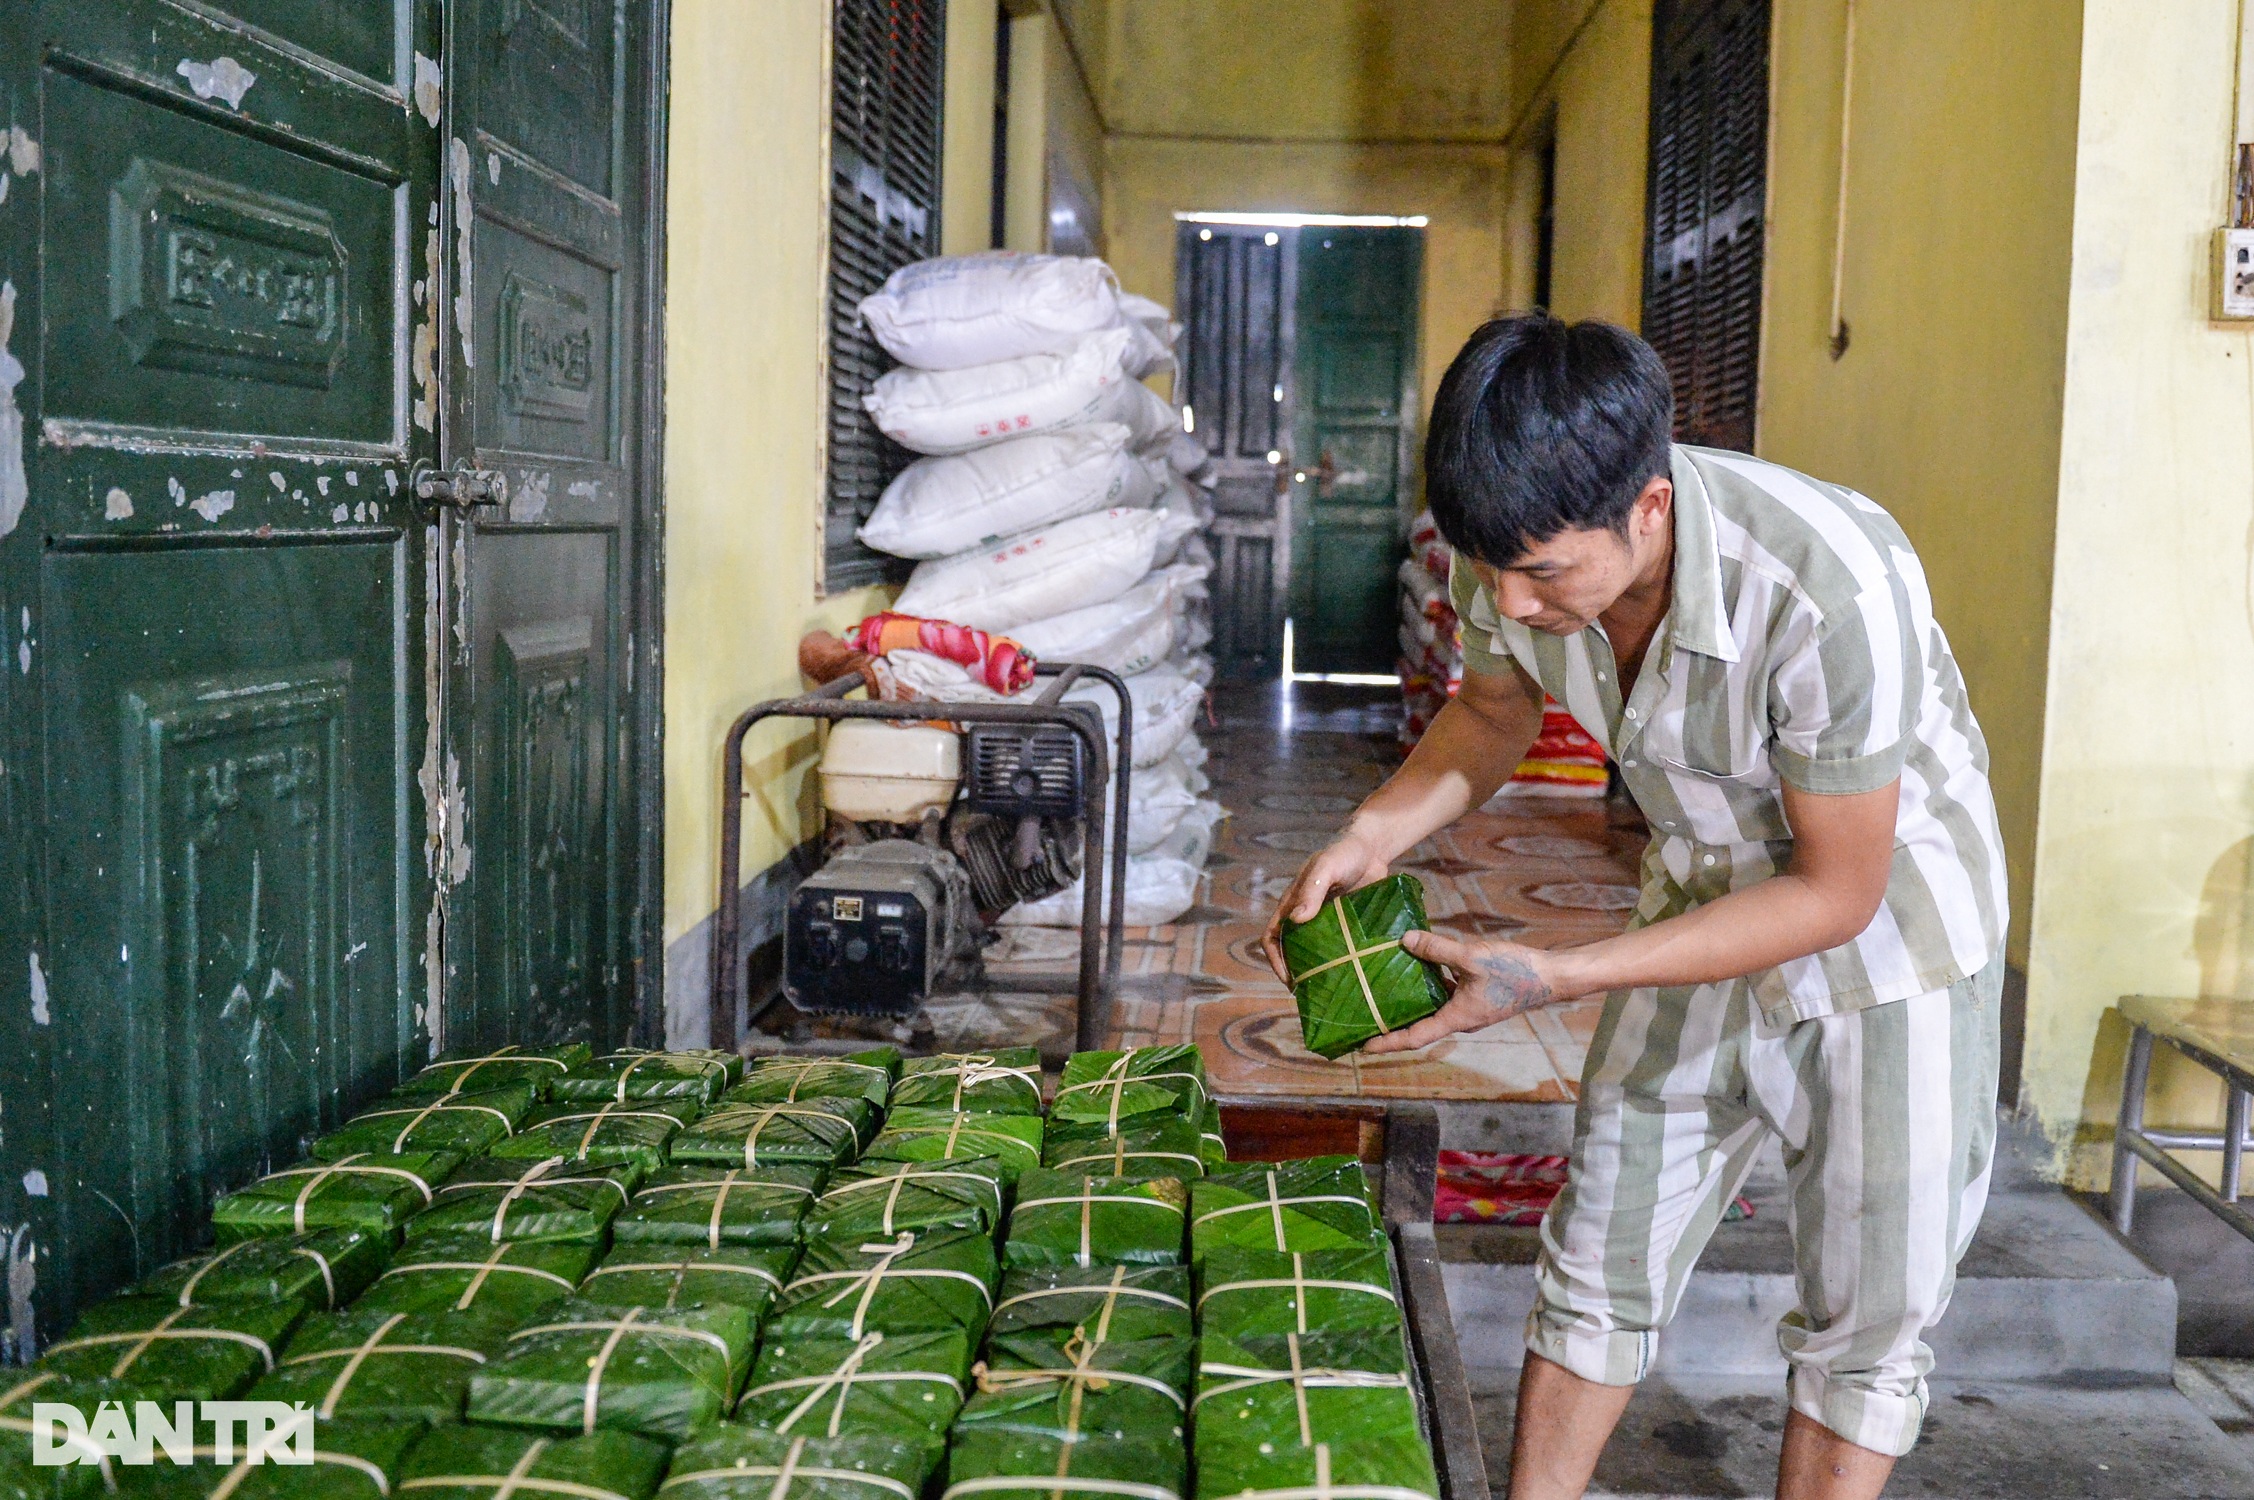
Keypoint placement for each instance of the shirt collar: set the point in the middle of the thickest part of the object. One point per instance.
(1701, 620)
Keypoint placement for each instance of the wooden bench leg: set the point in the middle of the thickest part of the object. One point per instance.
(2133, 1080)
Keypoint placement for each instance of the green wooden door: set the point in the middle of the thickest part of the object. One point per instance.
(214, 589)
(540, 210)
(1356, 325)
(302, 777)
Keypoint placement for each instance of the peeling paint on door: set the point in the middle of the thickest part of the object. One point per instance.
(428, 86)
(22, 1257)
(24, 156)
(425, 356)
(214, 505)
(222, 78)
(15, 489)
(40, 1014)
(530, 502)
(464, 308)
(117, 505)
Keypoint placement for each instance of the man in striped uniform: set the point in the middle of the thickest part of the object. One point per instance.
(1817, 951)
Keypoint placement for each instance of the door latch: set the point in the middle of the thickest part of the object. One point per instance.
(462, 487)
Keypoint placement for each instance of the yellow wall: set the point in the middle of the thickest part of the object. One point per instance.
(1582, 72)
(2141, 858)
(966, 219)
(745, 385)
(1945, 407)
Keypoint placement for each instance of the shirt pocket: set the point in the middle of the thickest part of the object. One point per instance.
(1728, 793)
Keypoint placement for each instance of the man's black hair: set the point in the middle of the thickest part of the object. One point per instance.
(1540, 427)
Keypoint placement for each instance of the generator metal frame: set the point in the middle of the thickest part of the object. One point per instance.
(1101, 940)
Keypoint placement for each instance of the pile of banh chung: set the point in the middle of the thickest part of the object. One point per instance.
(541, 1273)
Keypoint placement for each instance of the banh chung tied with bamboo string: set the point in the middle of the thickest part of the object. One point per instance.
(1125, 1303)
(879, 1382)
(821, 1133)
(489, 1463)
(367, 1192)
(1351, 976)
(469, 1272)
(385, 1366)
(715, 1206)
(745, 1463)
(324, 1269)
(465, 1124)
(1005, 1081)
(670, 1276)
(582, 1365)
(553, 1198)
(881, 1198)
(1073, 1219)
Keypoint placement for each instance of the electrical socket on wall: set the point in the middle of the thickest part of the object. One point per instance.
(2234, 275)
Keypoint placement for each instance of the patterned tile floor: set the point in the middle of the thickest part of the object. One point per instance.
(1553, 871)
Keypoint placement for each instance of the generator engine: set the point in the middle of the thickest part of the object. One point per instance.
(920, 858)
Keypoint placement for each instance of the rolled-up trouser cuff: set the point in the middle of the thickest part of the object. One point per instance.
(1605, 1356)
(1882, 1421)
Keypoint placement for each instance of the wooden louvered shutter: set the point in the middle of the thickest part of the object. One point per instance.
(887, 67)
(1709, 170)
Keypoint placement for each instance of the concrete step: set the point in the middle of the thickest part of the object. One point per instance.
(2046, 1293)
(1982, 1440)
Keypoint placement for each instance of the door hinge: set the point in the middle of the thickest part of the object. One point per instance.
(462, 487)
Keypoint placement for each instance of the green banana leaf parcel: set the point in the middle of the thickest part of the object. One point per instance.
(1170, 1146)
(1081, 1388)
(1103, 1303)
(601, 1135)
(87, 1469)
(1349, 972)
(1321, 1203)
(916, 1134)
(714, 1206)
(907, 1284)
(1004, 1461)
(1071, 1219)
(465, 1124)
(553, 1198)
(468, 1272)
(744, 1463)
(1115, 1091)
(877, 1201)
(352, 1460)
(899, 1382)
(384, 1366)
(1235, 1463)
(174, 1353)
(631, 1073)
(373, 1194)
(487, 1463)
(1006, 1081)
(586, 1365)
(324, 1269)
(820, 1133)
(1348, 1388)
(1211, 1143)
(669, 1276)
(467, 1072)
(1242, 1292)
(786, 1080)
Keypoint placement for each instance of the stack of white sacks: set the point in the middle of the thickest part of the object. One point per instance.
(1054, 506)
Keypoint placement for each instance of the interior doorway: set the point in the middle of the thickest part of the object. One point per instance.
(1299, 371)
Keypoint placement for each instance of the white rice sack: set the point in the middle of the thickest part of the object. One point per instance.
(1186, 454)
(1074, 563)
(1151, 417)
(1157, 799)
(1127, 635)
(1195, 665)
(954, 411)
(1192, 753)
(1175, 527)
(962, 310)
(1148, 351)
(1161, 884)
(1166, 705)
(938, 507)
(1142, 309)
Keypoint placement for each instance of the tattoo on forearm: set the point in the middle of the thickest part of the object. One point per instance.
(1512, 984)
